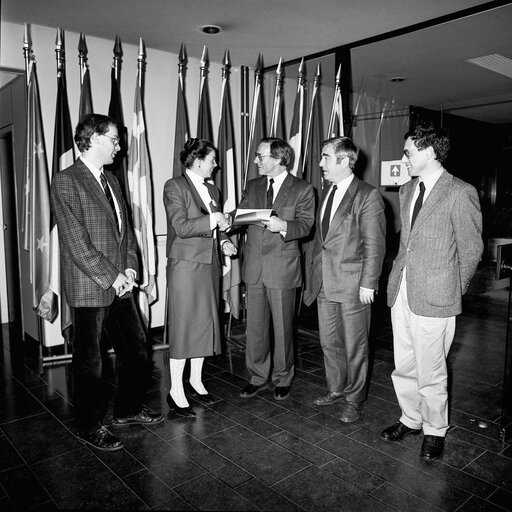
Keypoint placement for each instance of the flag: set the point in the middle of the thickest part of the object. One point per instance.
(228, 187)
(297, 126)
(335, 127)
(277, 122)
(36, 208)
(115, 111)
(181, 134)
(256, 125)
(204, 118)
(85, 106)
(141, 194)
(63, 157)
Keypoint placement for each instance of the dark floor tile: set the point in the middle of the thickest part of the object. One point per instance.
(6, 504)
(211, 461)
(353, 475)
(316, 489)
(401, 500)
(256, 455)
(492, 468)
(10, 457)
(22, 488)
(9, 388)
(301, 427)
(304, 449)
(40, 437)
(475, 424)
(484, 442)
(266, 498)
(121, 462)
(21, 406)
(79, 480)
(501, 498)
(475, 504)
(207, 493)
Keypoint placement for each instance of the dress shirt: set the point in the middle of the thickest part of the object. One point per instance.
(338, 195)
(199, 184)
(429, 183)
(278, 181)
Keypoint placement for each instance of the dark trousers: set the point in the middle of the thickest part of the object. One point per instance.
(93, 328)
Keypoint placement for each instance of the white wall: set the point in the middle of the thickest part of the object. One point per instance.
(160, 105)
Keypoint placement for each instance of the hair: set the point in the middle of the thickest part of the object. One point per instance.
(88, 126)
(195, 148)
(425, 136)
(279, 149)
(343, 146)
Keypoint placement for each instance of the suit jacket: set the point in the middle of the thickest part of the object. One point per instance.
(189, 236)
(92, 250)
(442, 251)
(353, 251)
(269, 256)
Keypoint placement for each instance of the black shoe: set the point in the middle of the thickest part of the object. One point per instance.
(101, 439)
(145, 417)
(205, 398)
(398, 431)
(251, 390)
(187, 412)
(329, 398)
(351, 412)
(432, 447)
(281, 392)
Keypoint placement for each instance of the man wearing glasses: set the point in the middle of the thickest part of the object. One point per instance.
(271, 266)
(98, 258)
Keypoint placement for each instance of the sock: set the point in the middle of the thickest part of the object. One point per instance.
(196, 367)
(177, 392)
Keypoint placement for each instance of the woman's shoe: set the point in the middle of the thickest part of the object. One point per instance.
(205, 399)
(187, 412)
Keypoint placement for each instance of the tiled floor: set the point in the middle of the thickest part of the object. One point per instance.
(259, 454)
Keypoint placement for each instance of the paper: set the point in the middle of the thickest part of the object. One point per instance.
(245, 216)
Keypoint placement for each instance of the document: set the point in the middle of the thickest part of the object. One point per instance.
(245, 216)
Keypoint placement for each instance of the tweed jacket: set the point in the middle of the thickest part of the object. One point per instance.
(441, 252)
(270, 257)
(353, 251)
(92, 250)
(189, 236)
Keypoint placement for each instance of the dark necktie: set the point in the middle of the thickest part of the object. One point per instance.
(326, 219)
(418, 203)
(106, 189)
(270, 193)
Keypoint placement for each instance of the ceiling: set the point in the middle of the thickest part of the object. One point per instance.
(432, 60)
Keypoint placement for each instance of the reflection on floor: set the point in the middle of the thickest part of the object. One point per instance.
(259, 454)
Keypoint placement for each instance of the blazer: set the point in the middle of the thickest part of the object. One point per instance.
(92, 250)
(441, 252)
(189, 236)
(270, 257)
(353, 251)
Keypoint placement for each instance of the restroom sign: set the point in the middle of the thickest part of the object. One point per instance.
(393, 173)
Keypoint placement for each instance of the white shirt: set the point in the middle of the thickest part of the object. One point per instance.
(338, 195)
(278, 181)
(429, 183)
(202, 190)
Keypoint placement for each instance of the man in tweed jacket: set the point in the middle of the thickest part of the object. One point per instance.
(98, 267)
(440, 247)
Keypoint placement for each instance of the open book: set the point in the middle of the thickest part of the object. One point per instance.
(246, 216)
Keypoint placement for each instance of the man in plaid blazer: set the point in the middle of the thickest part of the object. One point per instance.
(440, 247)
(99, 267)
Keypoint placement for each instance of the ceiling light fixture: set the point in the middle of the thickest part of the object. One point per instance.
(397, 79)
(210, 29)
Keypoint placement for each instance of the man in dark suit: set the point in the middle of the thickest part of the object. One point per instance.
(99, 265)
(440, 247)
(344, 274)
(271, 267)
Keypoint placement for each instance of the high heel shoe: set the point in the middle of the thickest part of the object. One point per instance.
(205, 399)
(187, 412)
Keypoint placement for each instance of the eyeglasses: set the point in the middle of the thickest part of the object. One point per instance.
(260, 157)
(115, 140)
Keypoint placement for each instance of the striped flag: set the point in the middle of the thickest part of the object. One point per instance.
(141, 194)
(204, 118)
(36, 208)
(182, 133)
(297, 126)
(227, 184)
(63, 157)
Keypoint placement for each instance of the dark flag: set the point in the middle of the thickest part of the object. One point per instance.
(204, 118)
(36, 208)
(297, 126)
(335, 127)
(85, 106)
(227, 183)
(182, 133)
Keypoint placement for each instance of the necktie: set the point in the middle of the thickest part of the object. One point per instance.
(418, 203)
(212, 205)
(270, 193)
(326, 219)
(106, 189)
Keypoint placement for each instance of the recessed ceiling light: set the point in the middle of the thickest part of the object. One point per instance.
(397, 79)
(210, 29)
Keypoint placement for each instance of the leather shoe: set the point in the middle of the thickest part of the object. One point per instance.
(145, 417)
(432, 447)
(329, 398)
(186, 412)
(351, 412)
(205, 399)
(101, 439)
(398, 431)
(281, 392)
(251, 390)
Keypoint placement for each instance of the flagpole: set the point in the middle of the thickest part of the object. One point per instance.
(28, 53)
(117, 60)
(244, 112)
(82, 57)
(141, 65)
(336, 102)
(277, 100)
(316, 82)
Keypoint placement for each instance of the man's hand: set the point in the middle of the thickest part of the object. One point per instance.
(229, 248)
(275, 224)
(124, 283)
(366, 295)
(223, 220)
